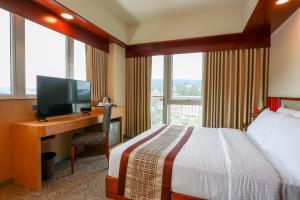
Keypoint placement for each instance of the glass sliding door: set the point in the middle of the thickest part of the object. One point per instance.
(180, 98)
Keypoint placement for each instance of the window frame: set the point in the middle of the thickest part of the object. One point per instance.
(17, 59)
(167, 97)
(12, 95)
(169, 86)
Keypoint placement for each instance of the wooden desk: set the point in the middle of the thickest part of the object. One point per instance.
(26, 142)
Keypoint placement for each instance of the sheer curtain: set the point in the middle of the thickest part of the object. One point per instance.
(235, 82)
(138, 95)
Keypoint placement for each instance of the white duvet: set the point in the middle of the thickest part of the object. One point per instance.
(216, 164)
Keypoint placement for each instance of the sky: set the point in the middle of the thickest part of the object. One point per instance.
(4, 49)
(44, 53)
(185, 66)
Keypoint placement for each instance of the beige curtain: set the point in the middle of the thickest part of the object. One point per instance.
(235, 82)
(97, 72)
(138, 95)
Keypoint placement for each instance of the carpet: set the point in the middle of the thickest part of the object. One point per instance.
(87, 183)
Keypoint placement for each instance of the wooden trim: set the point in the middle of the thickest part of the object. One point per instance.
(81, 21)
(260, 19)
(280, 13)
(200, 44)
(268, 16)
(265, 19)
(36, 11)
(112, 191)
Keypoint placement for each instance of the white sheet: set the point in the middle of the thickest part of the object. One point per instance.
(216, 164)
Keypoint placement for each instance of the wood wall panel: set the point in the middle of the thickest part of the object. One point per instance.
(204, 44)
(11, 111)
(37, 12)
(280, 13)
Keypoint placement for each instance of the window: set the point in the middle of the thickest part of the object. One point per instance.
(35, 50)
(5, 54)
(177, 89)
(45, 54)
(187, 76)
(79, 61)
(157, 90)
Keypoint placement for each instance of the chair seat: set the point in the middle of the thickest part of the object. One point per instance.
(88, 138)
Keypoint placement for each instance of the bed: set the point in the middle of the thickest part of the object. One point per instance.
(212, 164)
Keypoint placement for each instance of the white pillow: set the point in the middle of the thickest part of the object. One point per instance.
(284, 143)
(286, 111)
(262, 126)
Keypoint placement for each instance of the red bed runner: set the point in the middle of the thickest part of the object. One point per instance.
(146, 166)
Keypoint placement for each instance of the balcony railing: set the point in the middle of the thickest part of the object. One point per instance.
(180, 114)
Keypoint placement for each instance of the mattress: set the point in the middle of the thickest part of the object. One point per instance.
(216, 164)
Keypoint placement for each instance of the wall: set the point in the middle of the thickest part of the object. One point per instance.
(11, 111)
(116, 74)
(284, 78)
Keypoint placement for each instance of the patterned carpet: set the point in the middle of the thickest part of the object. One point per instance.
(87, 183)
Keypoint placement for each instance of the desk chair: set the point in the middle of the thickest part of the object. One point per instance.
(92, 138)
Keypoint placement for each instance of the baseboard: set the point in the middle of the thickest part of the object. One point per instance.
(6, 182)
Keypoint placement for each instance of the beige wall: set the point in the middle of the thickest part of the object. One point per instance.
(116, 74)
(284, 78)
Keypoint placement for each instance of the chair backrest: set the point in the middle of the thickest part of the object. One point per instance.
(106, 119)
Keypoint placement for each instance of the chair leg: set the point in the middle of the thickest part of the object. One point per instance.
(72, 154)
(75, 152)
(106, 146)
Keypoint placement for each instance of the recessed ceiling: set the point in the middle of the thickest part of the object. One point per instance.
(139, 11)
(142, 21)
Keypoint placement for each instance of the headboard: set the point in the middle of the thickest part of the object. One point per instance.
(275, 102)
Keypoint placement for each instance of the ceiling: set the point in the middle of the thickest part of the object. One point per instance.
(139, 11)
(142, 21)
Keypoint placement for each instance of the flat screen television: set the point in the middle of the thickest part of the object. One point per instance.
(58, 96)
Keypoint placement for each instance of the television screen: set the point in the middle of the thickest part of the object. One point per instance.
(57, 96)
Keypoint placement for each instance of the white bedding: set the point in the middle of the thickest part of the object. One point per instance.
(216, 164)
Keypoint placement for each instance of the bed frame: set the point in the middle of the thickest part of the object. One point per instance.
(272, 102)
(275, 102)
(112, 191)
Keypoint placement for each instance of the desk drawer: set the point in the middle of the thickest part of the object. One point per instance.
(80, 124)
(54, 129)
